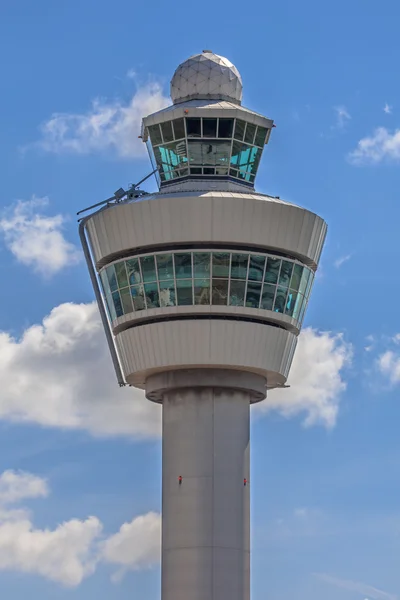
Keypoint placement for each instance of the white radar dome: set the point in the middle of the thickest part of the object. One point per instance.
(206, 76)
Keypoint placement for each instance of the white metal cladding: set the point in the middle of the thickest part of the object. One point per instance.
(170, 345)
(228, 218)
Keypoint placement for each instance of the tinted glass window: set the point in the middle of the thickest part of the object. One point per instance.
(240, 127)
(184, 292)
(268, 295)
(250, 133)
(122, 277)
(280, 300)
(225, 128)
(272, 270)
(210, 128)
(256, 270)
(219, 291)
(112, 279)
(210, 153)
(202, 291)
(221, 264)
(239, 266)
(155, 134)
(151, 292)
(137, 293)
(286, 273)
(183, 265)
(236, 294)
(296, 277)
(201, 264)
(165, 266)
(260, 136)
(117, 304)
(126, 300)
(179, 128)
(148, 268)
(166, 129)
(167, 293)
(132, 267)
(193, 127)
(253, 294)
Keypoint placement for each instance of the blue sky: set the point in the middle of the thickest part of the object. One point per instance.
(80, 458)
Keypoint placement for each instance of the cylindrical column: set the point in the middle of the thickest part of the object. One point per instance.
(206, 514)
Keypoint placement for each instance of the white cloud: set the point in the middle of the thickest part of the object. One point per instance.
(396, 338)
(137, 545)
(342, 116)
(341, 260)
(315, 378)
(106, 126)
(59, 374)
(381, 145)
(389, 365)
(387, 109)
(16, 486)
(37, 240)
(356, 586)
(72, 550)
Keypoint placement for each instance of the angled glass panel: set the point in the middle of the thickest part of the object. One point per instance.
(253, 294)
(167, 132)
(183, 265)
(220, 291)
(280, 300)
(126, 300)
(239, 266)
(167, 293)
(256, 269)
(171, 158)
(221, 262)
(151, 293)
(122, 277)
(155, 134)
(111, 307)
(117, 304)
(193, 127)
(132, 267)
(290, 303)
(210, 128)
(240, 128)
(272, 270)
(148, 268)
(298, 306)
(304, 281)
(202, 291)
(225, 128)
(250, 133)
(285, 273)
(165, 266)
(112, 278)
(309, 285)
(260, 136)
(184, 292)
(237, 292)
(179, 128)
(296, 277)
(267, 297)
(104, 282)
(212, 153)
(303, 310)
(201, 264)
(137, 293)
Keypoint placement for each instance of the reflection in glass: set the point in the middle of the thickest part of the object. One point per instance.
(155, 134)
(117, 303)
(122, 277)
(111, 307)
(297, 307)
(202, 291)
(151, 292)
(239, 129)
(201, 264)
(132, 267)
(236, 294)
(183, 265)
(290, 302)
(280, 300)
(272, 270)
(220, 264)
(253, 294)
(296, 277)
(304, 281)
(184, 292)
(148, 268)
(268, 295)
(239, 266)
(167, 293)
(137, 293)
(250, 132)
(219, 291)
(165, 266)
(260, 136)
(126, 300)
(212, 153)
(285, 273)
(256, 269)
(104, 282)
(112, 279)
(166, 129)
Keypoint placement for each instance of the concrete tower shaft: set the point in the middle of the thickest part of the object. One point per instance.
(206, 284)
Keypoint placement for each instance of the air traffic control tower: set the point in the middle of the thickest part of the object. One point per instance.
(202, 288)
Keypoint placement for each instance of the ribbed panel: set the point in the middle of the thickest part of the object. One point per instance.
(164, 346)
(228, 218)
